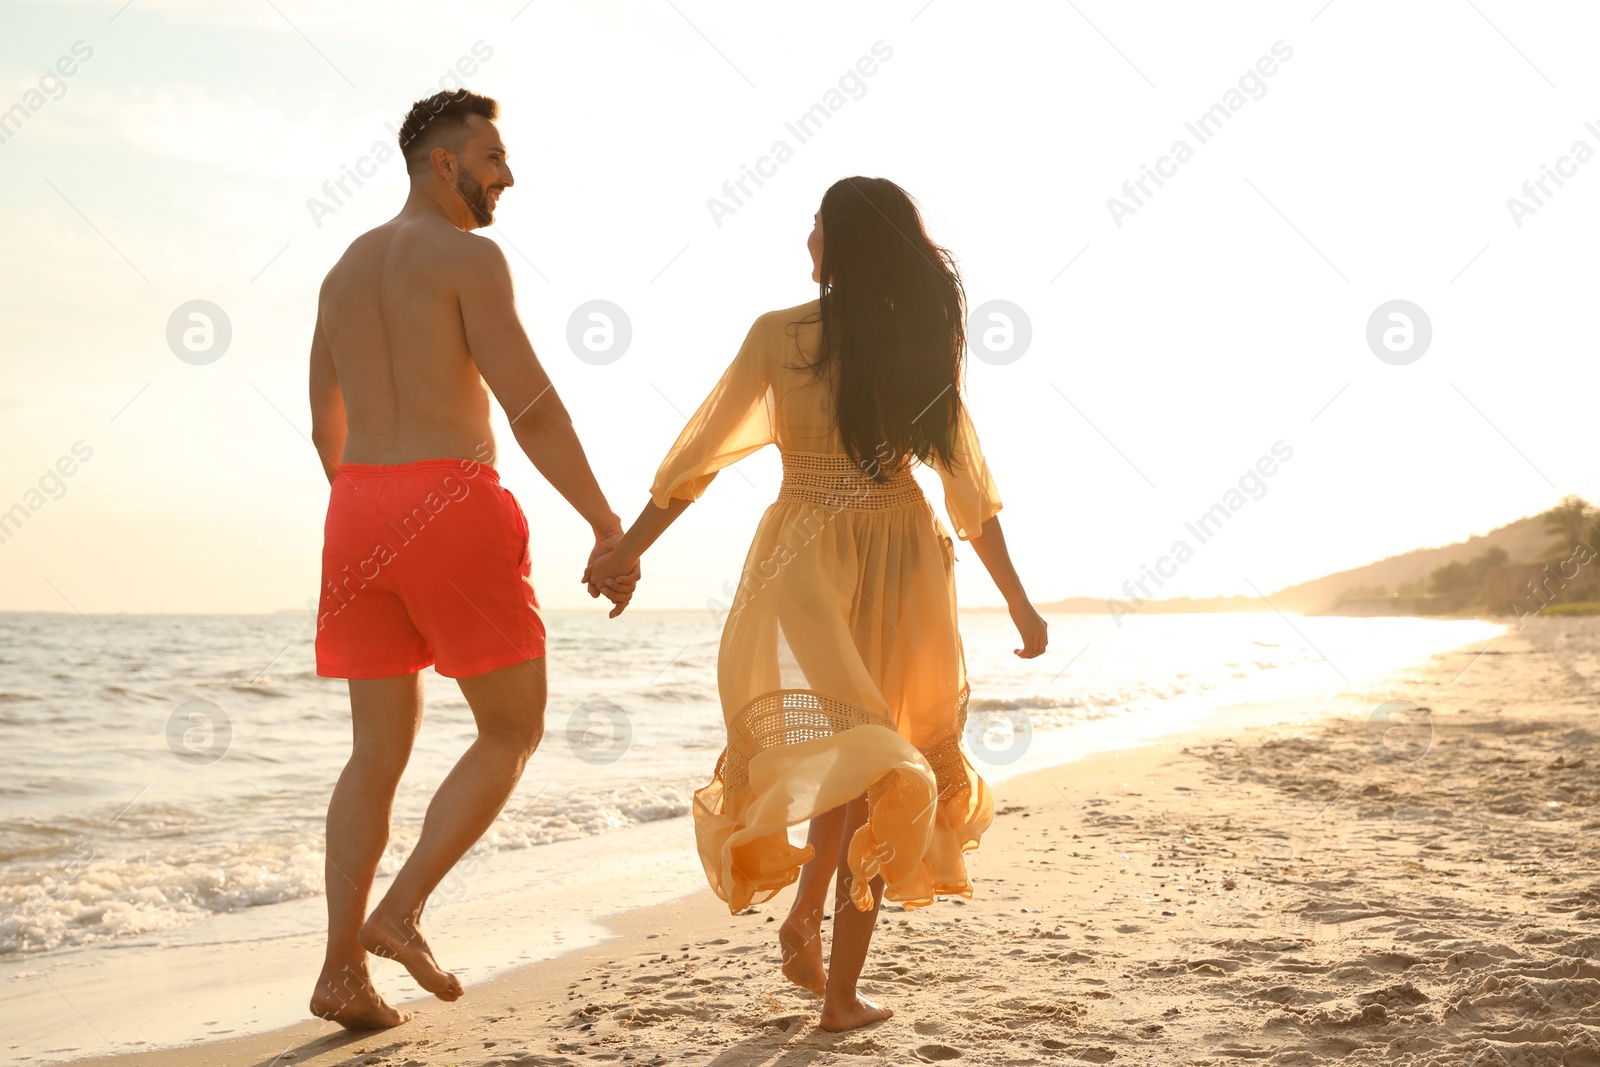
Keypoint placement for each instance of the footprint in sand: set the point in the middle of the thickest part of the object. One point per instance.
(934, 1053)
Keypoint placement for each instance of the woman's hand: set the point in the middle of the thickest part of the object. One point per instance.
(609, 573)
(1032, 628)
(990, 544)
(614, 564)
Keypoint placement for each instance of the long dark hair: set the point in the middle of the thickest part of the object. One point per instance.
(893, 315)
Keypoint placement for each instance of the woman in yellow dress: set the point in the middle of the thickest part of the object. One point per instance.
(841, 676)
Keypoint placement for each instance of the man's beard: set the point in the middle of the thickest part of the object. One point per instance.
(477, 199)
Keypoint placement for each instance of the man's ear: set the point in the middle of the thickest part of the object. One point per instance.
(443, 163)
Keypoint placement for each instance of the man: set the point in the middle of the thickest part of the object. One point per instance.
(426, 555)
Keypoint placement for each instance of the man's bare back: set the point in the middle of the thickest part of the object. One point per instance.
(390, 316)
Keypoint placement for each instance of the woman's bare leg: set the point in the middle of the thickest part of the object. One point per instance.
(842, 1008)
(800, 936)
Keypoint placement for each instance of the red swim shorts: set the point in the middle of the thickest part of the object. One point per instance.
(425, 563)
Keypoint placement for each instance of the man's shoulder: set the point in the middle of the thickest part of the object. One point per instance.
(459, 254)
(462, 260)
(437, 237)
(461, 246)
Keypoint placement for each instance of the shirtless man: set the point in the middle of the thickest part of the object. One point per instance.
(426, 555)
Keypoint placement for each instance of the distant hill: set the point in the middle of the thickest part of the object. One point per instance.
(1524, 541)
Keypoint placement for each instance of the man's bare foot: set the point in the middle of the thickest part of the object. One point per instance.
(801, 947)
(401, 940)
(346, 996)
(858, 1011)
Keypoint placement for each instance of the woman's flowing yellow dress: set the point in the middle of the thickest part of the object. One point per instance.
(840, 670)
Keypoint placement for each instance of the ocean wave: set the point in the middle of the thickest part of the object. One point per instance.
(89, 898)
(124, 691)
(263, 688)
(681, 693)
(1045, 711)
(72, 895)
(545, 821)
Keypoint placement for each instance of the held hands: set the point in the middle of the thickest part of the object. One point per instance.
(1035, 633)
(605, 574)
(614, 564)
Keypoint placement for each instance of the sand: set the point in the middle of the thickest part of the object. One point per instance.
(1415, 886)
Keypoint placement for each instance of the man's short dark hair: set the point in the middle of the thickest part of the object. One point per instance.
(440, 121)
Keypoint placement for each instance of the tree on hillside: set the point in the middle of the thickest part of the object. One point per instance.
(1457, 585)
(1363, 592)
(1572, 522)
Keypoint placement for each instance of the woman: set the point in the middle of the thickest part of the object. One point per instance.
(840, 672)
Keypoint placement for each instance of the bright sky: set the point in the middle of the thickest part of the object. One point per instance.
(1167, 354)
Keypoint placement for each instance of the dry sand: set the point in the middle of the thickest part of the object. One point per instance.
(1414, 887)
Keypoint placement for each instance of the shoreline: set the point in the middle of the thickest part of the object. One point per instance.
(1126, 904)
(687, 973)
(116, 994)
(663, 933)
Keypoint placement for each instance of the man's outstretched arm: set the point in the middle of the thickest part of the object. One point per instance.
(505, 357)
(328, 425)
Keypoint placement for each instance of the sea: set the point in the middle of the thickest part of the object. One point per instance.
(167, 778)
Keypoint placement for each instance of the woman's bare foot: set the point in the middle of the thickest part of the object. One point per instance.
(348, 998)
(858, 1011)
(801, 947)
(400, 939)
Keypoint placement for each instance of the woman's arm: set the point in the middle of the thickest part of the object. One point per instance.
(621, 560)
(990, 545)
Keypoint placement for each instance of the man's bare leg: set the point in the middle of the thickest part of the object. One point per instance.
(385, 714)
(800, 936)
(508, 705)
(842, 1008)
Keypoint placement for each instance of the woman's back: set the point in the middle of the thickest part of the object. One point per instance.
(770, 394)
(802, 399)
